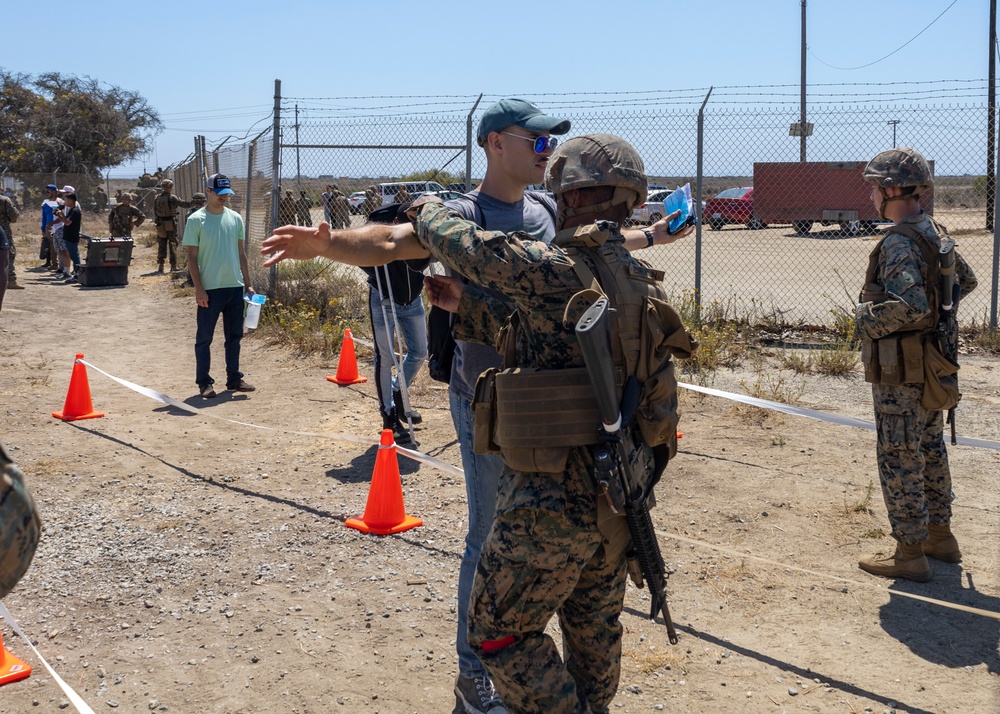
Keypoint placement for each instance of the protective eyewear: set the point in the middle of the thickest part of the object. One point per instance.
(542, 143)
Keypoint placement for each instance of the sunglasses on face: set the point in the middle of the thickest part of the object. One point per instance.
(541, 143)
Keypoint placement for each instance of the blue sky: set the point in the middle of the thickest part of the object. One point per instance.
(210, 69)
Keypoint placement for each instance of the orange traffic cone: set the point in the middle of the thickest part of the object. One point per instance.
(78, 404)
(11, 668)
(347, 367)
(384, 512)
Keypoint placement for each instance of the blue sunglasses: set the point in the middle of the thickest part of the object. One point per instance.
(542, 143)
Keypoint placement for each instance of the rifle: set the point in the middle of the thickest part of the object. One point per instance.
(946, 331)
(614, 470)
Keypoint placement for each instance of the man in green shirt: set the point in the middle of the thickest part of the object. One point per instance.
(217, 261)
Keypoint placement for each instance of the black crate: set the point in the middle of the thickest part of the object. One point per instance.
(109, 252)
(96, 276)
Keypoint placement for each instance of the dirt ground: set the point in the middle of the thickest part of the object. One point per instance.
(189, 564)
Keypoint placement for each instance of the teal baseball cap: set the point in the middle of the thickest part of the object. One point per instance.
(511, 112)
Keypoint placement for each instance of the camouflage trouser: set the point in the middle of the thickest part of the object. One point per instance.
(546, 556)
(912, 462)
(169, 242)
(11, 272)
(20, 526)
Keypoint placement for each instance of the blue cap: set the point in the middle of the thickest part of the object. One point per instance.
(510, 112)
(219, 184)
(52, 187)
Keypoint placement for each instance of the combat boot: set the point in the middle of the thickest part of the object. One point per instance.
(941, 544)
(400, 434)
(397, 399)
(159, 267)
(907, 562)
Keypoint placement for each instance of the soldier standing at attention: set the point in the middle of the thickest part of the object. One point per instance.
(165, 207)
(555, 546)
(8, 215)
(896, 319)
(124, 217)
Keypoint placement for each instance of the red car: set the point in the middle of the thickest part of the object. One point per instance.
(734, 205)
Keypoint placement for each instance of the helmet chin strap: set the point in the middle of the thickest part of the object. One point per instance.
(886, 198)
(621, 195)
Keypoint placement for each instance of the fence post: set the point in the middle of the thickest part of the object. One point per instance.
(996, 262)
(275, 172)
(468, 145)
(697, 207)
(250, 157)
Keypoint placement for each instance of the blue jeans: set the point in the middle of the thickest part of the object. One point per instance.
(227, 302)
(413, 328)
(482, 477)
(74, 253)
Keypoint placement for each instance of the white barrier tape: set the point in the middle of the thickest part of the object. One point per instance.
(813, 414)
(74, 698)
(337, 436)
(827, 576)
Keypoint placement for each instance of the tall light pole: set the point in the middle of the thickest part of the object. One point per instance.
(802, 91)
(893, 123)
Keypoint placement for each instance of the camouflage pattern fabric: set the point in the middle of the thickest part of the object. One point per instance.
(900, 167)
(303, 207)
(340, 211)
(20, 526)
(912, 458)
(545, 554)
(8, 215)
(122, 219)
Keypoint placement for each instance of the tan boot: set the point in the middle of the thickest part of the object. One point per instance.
(907, 562)
(941, 544)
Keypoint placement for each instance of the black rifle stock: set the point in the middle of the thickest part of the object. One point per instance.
(624, 489)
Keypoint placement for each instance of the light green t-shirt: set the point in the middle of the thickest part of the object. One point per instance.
(218, 238)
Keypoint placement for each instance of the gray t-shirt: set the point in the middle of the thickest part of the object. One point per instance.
(535, 215)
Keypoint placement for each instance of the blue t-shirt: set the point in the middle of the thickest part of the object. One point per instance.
(217, 237)
(535, 215)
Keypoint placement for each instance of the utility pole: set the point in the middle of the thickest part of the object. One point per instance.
(893, 123)
(802, 91)
(298, 166)
(991, 118)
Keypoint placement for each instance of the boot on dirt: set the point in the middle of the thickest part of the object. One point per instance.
(941, 544)
(397, 399)
(159, 268)
(400, 434)
(907, 562)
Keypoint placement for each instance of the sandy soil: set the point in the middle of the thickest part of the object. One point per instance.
(194, 565)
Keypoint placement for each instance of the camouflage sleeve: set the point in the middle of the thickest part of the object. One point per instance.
(138, 215)
(481, 314)
(967, 280)
(906, 299)
(526, 270)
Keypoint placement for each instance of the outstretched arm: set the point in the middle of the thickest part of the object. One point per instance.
(365, 246)
(635, 238)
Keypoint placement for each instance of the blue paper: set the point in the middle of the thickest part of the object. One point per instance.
(679, 199)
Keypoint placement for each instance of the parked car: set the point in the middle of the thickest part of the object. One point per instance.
(734, 205)
(355, 200)
(652, 210)
(443, 195)
(388, 191)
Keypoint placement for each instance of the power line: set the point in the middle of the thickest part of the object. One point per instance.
(891, 53)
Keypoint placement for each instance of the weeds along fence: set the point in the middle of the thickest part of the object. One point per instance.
(792, 250)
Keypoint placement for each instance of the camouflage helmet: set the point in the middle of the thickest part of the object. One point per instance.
(166, 183)
(198, 197)
(20, 526)
(597, 160)
(900, 167)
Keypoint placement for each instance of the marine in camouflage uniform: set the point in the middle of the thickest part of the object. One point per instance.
(371, 202)
(8, 215)
(198, 201)
(303, 209)
(124, 217)
(912, 458)
(20, 526)
(554, 547)
(340, 210)
(165, 207)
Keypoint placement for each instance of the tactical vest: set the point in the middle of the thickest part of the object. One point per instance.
(533, 417)
(162, 207)
(910, 355)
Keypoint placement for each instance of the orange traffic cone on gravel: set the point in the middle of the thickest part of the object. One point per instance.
(11, 668)
(78, 404)
(347, 367)
(384, 512)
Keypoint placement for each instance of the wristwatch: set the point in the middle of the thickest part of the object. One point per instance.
(649, 237)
